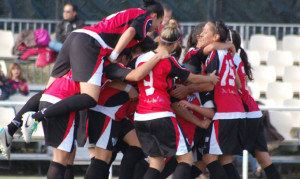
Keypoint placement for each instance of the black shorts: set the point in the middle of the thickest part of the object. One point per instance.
(225, 137)
(60, 132)
(256, 139)
(198, 143)
(161, 137)
(84, 56)
(104, 132)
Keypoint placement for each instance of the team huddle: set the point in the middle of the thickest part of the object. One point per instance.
(114, 89)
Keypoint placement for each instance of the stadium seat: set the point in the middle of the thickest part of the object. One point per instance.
(292, 75)
(6, 43)
(254, 90)
(7, 114)
(253, 57)
(279, 91)
(3, 67)
(283, 123)
(292, 43)
(279, 60)
(263, 75)
(263, 44)
(295, 114)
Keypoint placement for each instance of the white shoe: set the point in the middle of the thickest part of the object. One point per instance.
(29, 126)
(5, 142)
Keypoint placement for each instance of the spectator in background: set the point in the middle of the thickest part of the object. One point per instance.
(69, 23)
(16, 82)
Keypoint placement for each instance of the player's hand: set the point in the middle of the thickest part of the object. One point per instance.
(231, 49)
(180, 92)
(111, 60)
(133, 94)
(213, 78)
(184, 104)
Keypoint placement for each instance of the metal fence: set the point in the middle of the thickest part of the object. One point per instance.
(245, 29)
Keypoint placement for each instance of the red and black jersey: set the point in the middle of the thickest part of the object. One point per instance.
(252, 110)
(61, 88)
(112, 102)
(228, 102)
(112, 27)
(203, 100)
(196, 55)
(155, 88)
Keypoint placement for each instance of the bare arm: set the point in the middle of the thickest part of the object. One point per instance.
(219, 46)
(207, 112)
(212, 78)
(181, 91)
(124, 40)
(122, 86)
(143, 70)
(188, 116)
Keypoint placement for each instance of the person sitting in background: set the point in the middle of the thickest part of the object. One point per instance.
(16, 82)
(69, 23)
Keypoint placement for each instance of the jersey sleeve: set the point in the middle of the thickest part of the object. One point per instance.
(116, 71)
(206, 99)
(212, 63)
(177, 70)
(197, 58)
(142, 25)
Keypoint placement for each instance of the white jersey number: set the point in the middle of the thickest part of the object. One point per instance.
(150, 90)
(228, 74)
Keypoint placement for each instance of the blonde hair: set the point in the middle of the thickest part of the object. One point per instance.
(170, 34)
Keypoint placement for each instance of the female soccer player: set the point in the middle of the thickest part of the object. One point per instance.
(155, 122)
(225, 134)
(256, 142)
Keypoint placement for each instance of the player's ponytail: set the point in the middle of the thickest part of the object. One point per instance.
(236, 40)
(170, 34)
(153, 6)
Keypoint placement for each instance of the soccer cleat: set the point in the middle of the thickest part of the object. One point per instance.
(5, 142)
(29, 126)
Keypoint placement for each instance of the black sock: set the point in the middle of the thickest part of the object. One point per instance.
(169, 168)
(31, 105)
(151, 173)
(272, 172)
(183, 170)
(140, 169)
(56, 171)
(98, 169)
(130, 158)
(216, 170)
(195, 172)
(69, 173)
(231, 171)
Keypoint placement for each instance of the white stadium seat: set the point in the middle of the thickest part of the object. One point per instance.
(6, 43)
(292, 43)
(263, 75)
(3, 67)
(279, 91)
(279, 59)
(292, 75)
(7, 114)
(295, 114)
(283, 123)
(253, 57)
(263, 44)
(254, 90)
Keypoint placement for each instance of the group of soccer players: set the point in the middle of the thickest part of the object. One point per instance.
(201, 106)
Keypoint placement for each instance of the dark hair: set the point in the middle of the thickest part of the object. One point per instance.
(177, 52)
(222, 30)
(153, 6)
(195, 63)
(236, 40)
(146, 45)
(75, 8)
(127, 53)
(192, 38)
